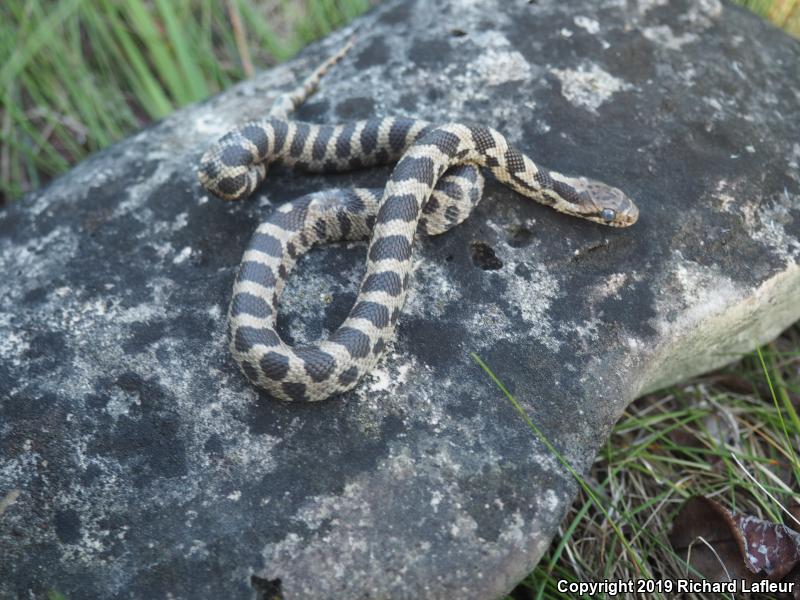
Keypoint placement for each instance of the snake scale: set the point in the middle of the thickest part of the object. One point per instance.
(434, 186)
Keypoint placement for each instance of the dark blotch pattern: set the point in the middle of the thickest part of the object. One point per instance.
(344, 223)
(292, 220)
(543, 178)
(279, 130)
(431, 206)
(392, 246)
(514, 161)
(248, 304)
(569, 193)
(404, 208)
(343, 141)
(321, 143)
(236, 156)
(211, 169)
(257, 273)
(445, 141)
(247, 337)
(376, 313)
(398, 133)
(318, 364)
(369, 136)
(354, 204)
(266, 243)
(299, 140)
(418, 168)
(232, 137)
(482, 138)
(232, 185)
(385, 281)
(274, 366)
(256, 134)
(348, 376)
(355, 341)
(450, 189)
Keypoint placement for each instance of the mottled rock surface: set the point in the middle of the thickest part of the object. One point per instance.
(137, 462)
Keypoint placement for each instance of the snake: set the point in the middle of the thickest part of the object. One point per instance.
(435, 183)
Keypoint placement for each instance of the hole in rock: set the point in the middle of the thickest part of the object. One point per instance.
(483, 256)
(266, 589)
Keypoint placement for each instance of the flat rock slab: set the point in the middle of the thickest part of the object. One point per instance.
(137, 462)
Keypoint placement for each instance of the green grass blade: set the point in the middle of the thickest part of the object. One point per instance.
(163, 64)
(191, 74)
(140, 78)
(45, 32)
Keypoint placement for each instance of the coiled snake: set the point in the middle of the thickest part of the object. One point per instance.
(434, 185)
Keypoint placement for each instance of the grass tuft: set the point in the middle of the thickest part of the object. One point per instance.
(76, 75)
(731, 435)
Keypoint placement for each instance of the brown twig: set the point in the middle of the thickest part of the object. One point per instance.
(240, 36)
(5, 148)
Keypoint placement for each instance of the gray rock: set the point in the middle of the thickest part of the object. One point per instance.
(137, 462)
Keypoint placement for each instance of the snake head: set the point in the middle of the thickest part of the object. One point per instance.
(602, 203)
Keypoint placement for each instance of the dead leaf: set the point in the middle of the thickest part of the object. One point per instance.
(794, 510)
(727, 546)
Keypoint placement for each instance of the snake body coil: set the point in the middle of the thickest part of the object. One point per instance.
(434, 186)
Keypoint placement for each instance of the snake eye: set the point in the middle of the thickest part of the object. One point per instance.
(608, 215)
